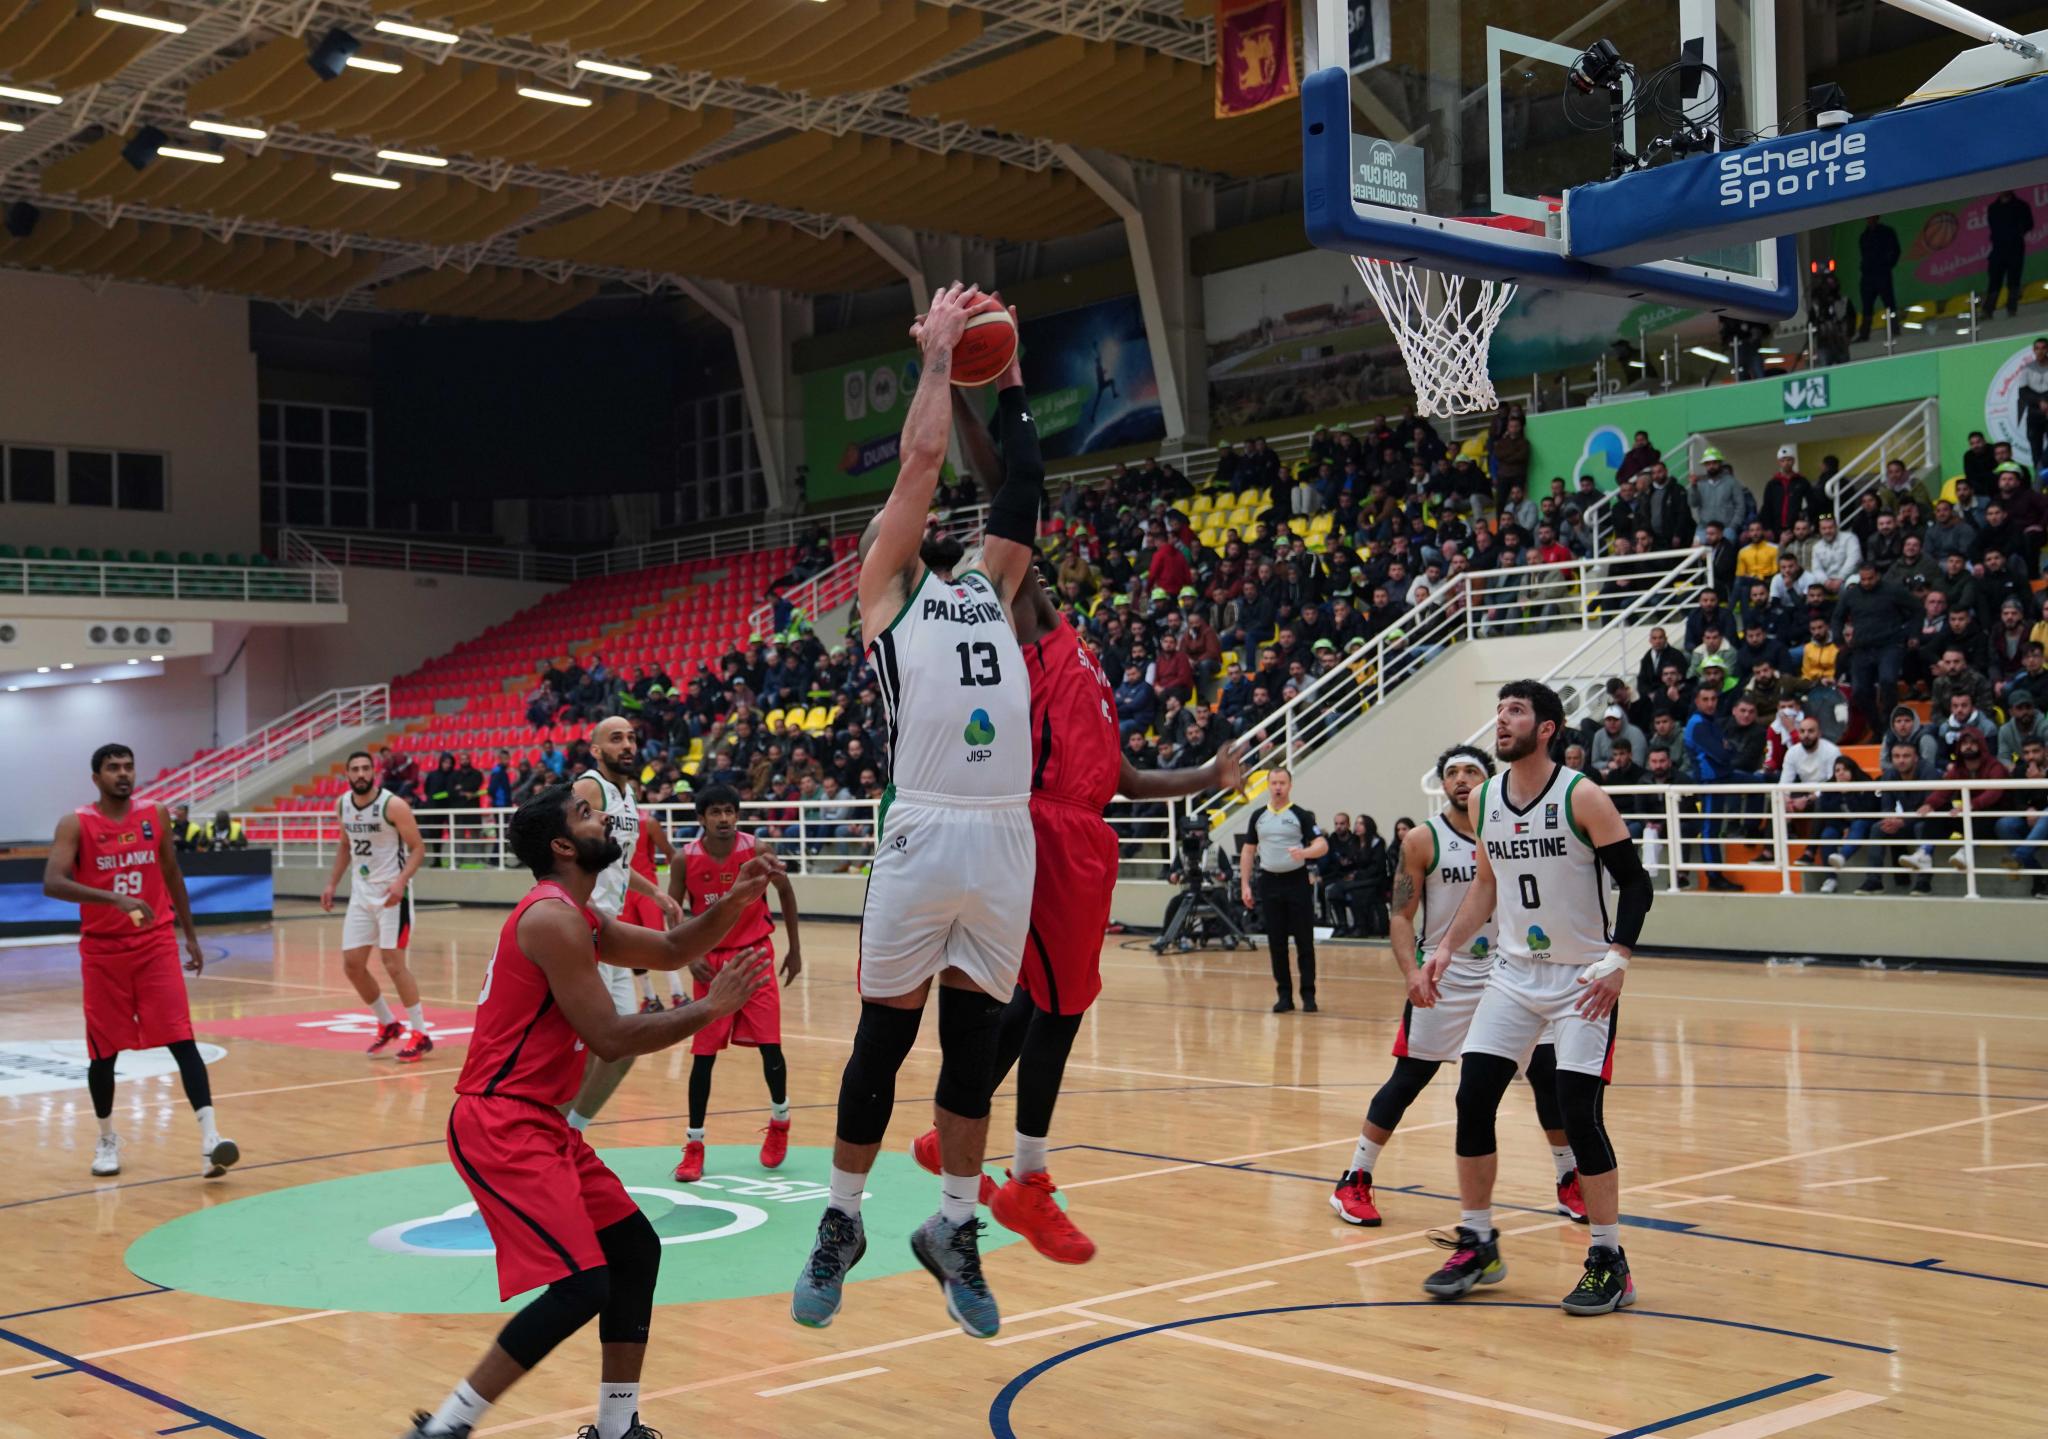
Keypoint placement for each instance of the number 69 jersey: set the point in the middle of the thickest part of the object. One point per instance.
(959, 701)
(1550, 896)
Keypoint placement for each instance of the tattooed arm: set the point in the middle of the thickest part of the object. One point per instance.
(1409, 874)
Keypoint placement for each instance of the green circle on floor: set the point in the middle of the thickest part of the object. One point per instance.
(409, 1241)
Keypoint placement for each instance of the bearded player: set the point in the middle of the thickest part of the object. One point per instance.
(556, 1214)
(1436, 866)
(1077, 768)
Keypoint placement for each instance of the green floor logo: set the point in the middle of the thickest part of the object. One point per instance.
(409, 1241)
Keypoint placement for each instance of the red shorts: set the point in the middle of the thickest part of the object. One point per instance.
(542, 1191)
(134, 995)
(757, 1022)
(1070, 900)
(639, 909)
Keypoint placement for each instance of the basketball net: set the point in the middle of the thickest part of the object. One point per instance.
(1444, 334)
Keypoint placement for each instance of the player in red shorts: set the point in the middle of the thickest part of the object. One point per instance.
(710, 863)
(116, 861)
(652, 849)
(556, 1214)
(1077, 768)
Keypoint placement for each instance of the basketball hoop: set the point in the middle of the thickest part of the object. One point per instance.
(1444, 332)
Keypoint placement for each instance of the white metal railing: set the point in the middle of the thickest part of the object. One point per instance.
(1686, 452)
(316, 584)
(840, 581)
(820, 836)
(218, 775)
(1914, 439)
(1782, 832)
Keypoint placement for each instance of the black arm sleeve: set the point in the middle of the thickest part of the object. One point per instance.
(1013, 509)
(1626, 866)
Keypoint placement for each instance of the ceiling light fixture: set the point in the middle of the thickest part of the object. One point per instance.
(100, 679)
(623, 72)
(147, 22)
(220, 127)
(11, 689)
(9, 125)
(416, 32)
(204, 157)
(156, 659)
(67, 665)
(407, 157)
(34, 97)
(42, 669)
(133, 661)
(1706, 354)
(375, 182)
(554, 97)
(382, 67)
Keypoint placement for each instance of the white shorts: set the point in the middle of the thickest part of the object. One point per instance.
(619, 980)
(1529, 999)
(950, 887)
(372, 924)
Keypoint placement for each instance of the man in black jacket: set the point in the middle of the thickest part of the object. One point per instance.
(1873, 618)
(2008, 219)
(1878, 252)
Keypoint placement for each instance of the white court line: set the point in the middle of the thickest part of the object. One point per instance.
(1840, 1183)
(847, 1042)
(1041, 1333)
(1840, 1217)
(179, 1339)
(820, 1383)
(1388, 1258)
(277, 1089)
(1858, 1008)
(1234, 1289)
(1834, 1149)
(1386, 1381)
(1687, 1203)
(1796, 1417)
(1242, 1158)
(2001, 1168)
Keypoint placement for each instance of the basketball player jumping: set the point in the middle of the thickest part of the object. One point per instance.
(1545, 833)
(615, 749)
(381, 839)
(556, 1214)
(949, 894)
(1077, 768)
(1436, 868)
(710, 864)
(117, 862)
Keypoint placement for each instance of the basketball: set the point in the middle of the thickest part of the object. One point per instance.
(987, 345)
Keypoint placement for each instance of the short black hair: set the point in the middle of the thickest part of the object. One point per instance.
(535, 826)
(713, 795)
(1470, 753)
(1541, 698)
(358, 754)
(110, 751)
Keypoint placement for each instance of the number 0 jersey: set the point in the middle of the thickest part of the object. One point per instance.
(1453, 865)
(1551, 898)
(959, 702)
(376, 853)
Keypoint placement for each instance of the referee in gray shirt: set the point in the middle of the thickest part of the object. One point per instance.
(1282, 839)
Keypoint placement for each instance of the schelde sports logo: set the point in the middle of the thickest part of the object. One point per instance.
(980, 728)
(1750, 177)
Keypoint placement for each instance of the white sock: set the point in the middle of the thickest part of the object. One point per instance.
(578, 1121)
(106, 1126)
(618, 1405)
(675, 986)
(778, 1110)
(463, 1406)
(1479, 1221)
(1030, 1155)
(381, 1007)
(1564, 1159)
(645, 984)
(417, 1013)
(1366, 1156)
(958, 1195)
(847, 1188)
(694, 1136)
(208, 1135)
(1605, 1236)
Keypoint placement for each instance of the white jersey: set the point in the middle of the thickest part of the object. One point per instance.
(1453, 865)
(958, 698)
(1551, 898)
(608, 896)
(376, 853)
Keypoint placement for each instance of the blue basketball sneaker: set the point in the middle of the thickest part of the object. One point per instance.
(841, 1243)
(952, 1252)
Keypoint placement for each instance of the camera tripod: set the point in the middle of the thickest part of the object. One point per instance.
(1214, 919)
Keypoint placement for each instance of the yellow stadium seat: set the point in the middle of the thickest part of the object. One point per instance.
(1201, 505)
(819, 718)
(1298, 525)
(1322, 524)
(696, 750)
(775, 717)
(1210, 538)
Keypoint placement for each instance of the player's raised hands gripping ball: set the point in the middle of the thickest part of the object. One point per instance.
(938, 330)
(987, 349)
(737, 980)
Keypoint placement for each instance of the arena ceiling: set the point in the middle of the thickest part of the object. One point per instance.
(733, 140)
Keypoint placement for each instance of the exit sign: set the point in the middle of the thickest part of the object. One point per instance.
(1806, 393)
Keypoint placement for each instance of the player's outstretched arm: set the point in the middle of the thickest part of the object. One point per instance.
(1011, 536)
(400, 814)
(341, 858)
(1226, 771)
(785, 897)
(1409, 876)
(174, 881)
(629, 945)
(58, 883)
(558, 939)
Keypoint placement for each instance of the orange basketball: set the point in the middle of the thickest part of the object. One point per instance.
(987, 345)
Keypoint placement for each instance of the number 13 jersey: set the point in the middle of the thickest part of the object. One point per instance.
(1550, 896)
(959, 701)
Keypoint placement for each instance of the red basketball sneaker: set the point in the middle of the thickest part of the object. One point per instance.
(1026, 1206)
(691, 1169)
(1569, 1201)
(385, 1034)
(774, 1145)
(417, 1047)
(925, 1150)
(1353, 1200)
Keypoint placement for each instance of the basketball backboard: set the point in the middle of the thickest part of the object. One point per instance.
(1421, 115)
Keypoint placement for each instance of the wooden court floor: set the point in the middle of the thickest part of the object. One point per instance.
(1833, 1182)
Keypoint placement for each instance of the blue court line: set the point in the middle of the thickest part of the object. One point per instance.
(85, 1303)
(1723, 1407)
(182, 1428)
(999, 1410)
(53, 1374)
(142, 1391)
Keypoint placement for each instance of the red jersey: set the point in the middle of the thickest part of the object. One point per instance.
(1076, 753)
(522, 1047)
(120, 857)
(643, 848)
(707, 878)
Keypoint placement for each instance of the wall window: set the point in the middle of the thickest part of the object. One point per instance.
(720, 470)
(317, 473)
(97, 479)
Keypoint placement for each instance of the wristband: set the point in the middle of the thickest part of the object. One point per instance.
(1613, 962)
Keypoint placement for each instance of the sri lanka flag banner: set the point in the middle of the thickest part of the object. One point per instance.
(1255, 63)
